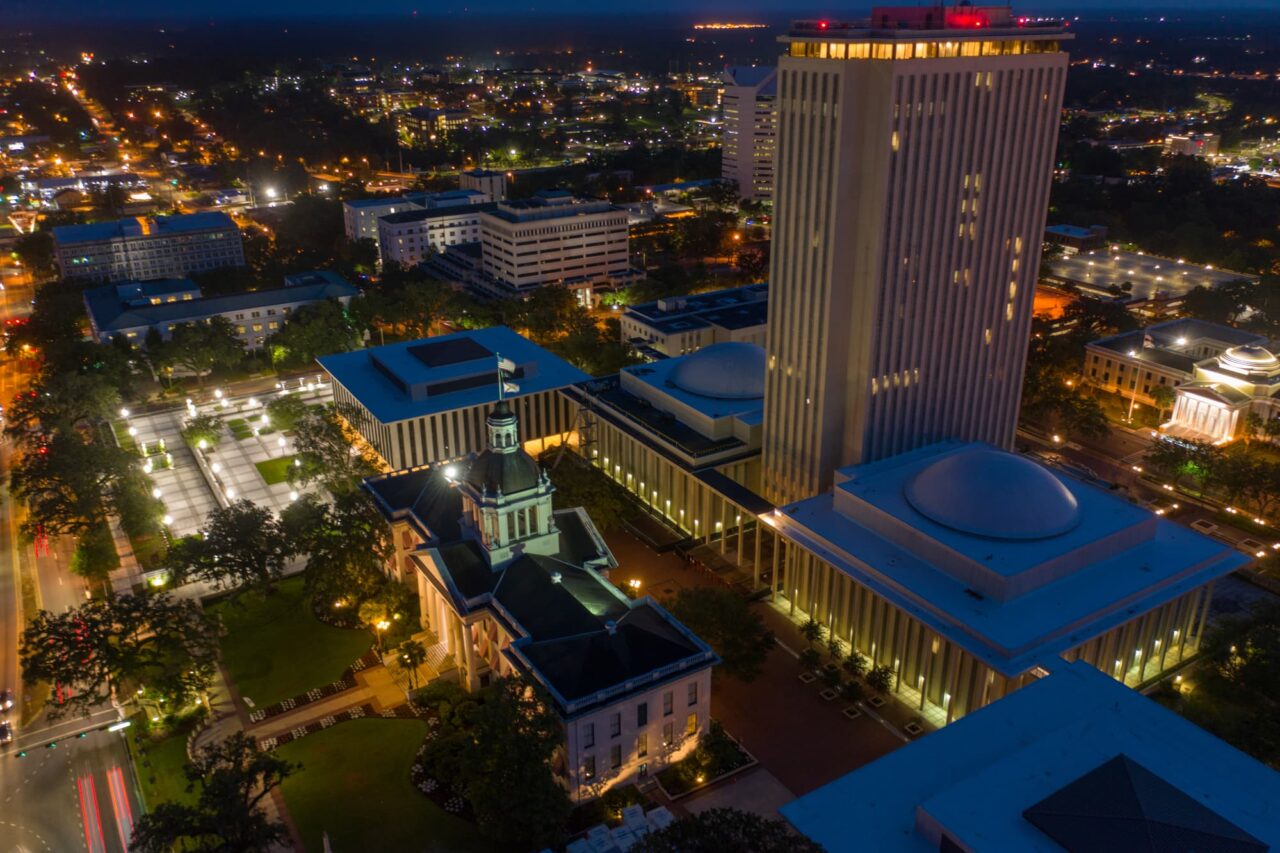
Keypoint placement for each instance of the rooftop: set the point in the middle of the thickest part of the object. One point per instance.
(129, 227)
(578, 635)
(422, 215)
(1015, 562)
(1099, 270)
(731, 308)
(1073, 761)
(412, 379)
(980, 21)
(111, 313)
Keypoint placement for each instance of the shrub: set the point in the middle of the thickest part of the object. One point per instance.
(809, 658)
(880, 679)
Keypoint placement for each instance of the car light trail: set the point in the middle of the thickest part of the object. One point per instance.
(120, 805)
(89, 811)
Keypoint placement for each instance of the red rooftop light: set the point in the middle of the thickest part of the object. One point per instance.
(822, 25)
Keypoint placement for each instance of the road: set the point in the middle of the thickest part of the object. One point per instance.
(78, 795)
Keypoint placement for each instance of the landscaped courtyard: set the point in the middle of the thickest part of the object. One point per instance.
(275, 470)
(355, 786)
(275, 648)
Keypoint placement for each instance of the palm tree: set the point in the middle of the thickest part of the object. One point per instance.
(1164, 397)
(811, 630)
(412, 655)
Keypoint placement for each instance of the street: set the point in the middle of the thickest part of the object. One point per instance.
(80, 793)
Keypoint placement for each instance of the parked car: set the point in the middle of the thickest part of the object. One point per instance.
(6, 732)
(6, 700)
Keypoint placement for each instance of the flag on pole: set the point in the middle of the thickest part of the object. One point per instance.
(506, 365)
(510, 388)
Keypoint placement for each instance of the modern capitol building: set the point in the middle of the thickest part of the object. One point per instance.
(858, 466)
(881, 501)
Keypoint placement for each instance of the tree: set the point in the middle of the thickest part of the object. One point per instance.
(36, 252)
(286, 410)
(244, 548)
(97, 646)
(725, 621)
(326, 452)
(204, 431)
(202, 346)
(412, 655)
(1253, 423)
(64, 480)
(753, 263)
(60, 401)
(811, 630)
(234, 777)
(1164, 397)
(95, 556)
(721, 829)
(346, 546)
(314, 330)
(880, 678)
(506, 775)
(578, 484)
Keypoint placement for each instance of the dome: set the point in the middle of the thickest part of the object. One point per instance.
(987, 492)
(732, 370)
(494, 471)
(1250, 358)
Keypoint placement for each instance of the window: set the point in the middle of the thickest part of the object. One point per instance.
(615, 725)
(589, 767)
(642, 745)
(668, 701)
(588, 734)
(691, 724)
(693, 693)
(615, 756)
(642, 714)
(668, 734)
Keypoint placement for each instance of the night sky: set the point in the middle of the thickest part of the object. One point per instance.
(742, 9)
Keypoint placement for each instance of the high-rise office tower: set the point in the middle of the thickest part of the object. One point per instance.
(915, 152)
(750, 126)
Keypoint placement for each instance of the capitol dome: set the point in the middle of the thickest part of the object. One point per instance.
(732, 370)
(1250, 358)
(987, 492)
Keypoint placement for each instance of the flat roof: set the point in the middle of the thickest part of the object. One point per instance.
(424, 214)
(730, 308)
(129, 227)
(110, 313)
(975, 778)
(378, 376)
(1140, 570)
(1100, 269)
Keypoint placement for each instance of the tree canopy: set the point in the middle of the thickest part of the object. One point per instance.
(96, 647)
(726, 622)
(244, 548)
(233, 779)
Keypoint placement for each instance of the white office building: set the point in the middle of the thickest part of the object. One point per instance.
(412, 236)
(553, 238)
(141, 249)
(750, 129)
(493, 184)
(360, 216)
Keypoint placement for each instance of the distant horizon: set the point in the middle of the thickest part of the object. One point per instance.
(70, 12)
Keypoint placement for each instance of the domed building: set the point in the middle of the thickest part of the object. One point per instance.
(969, 571)
(1224, 389)
(683, 435)
(508, 585)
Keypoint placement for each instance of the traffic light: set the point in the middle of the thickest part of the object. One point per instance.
(22, 753)
(53, 744)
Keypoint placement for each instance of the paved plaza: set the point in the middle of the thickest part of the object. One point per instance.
(191, 487)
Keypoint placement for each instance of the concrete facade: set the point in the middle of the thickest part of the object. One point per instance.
(913, 169)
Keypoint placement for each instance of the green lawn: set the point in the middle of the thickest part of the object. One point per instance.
(275, 648)
(355, 786)
(240, 429)
(160, 765)
(274, 470)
